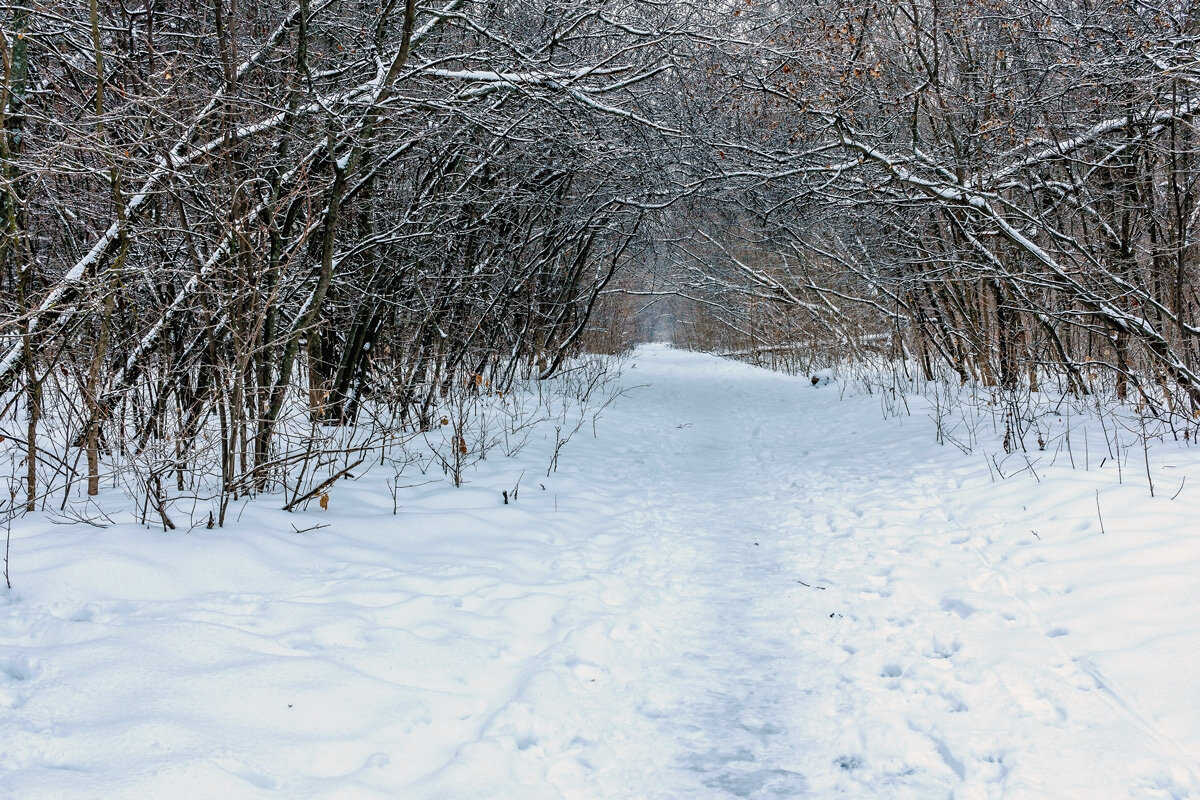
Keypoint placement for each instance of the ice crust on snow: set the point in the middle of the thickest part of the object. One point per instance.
(740, 588)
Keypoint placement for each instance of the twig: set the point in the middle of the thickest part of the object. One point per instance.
(1033, 471)
(1181, 483)
(1098, 514)
(324, 485)
(154, 495)
(313, 528)
(998, 470)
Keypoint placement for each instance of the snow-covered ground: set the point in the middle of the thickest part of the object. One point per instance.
(744, 586)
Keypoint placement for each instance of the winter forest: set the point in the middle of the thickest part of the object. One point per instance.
(255, 255)
(229, 230)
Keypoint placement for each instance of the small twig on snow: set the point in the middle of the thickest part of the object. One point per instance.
(1181, 483)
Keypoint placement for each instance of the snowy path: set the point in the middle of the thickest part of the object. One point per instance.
(820, 617)
(744, 587)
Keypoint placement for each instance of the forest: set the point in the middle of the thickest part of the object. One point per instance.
(247, 245)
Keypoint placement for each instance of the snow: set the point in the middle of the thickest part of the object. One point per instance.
(744, 585)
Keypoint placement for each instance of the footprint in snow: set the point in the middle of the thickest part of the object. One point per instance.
(251, 775)
(15, 673)
(940, 648)
(848, 763)
(956, 606)
(760, 783)
(16, 670)
(101, 612)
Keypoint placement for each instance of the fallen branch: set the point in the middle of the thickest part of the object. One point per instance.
(325, 485)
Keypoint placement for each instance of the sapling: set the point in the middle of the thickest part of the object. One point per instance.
(1067, 434)
(1146, 453)
(8, 515)
(513, 494)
